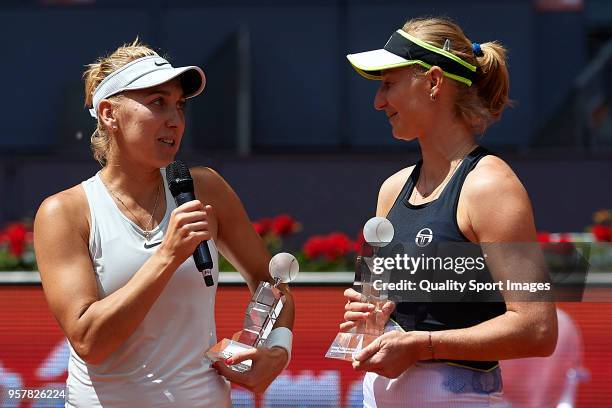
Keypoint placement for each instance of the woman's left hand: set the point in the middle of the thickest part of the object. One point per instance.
(392, 353)
(267, 364)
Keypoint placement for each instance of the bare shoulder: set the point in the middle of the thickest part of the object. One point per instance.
(491, 177)
(496, 204)
(69, 205)
(208, 183)
(397, 179)
(204, 174)
(212, 189)
(61, 236)
(390, 189)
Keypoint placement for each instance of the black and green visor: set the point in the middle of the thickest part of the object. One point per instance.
(402, 50)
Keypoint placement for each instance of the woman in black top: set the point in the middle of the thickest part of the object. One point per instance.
(443, 90)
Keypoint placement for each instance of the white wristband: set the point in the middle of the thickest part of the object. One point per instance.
(281, 337)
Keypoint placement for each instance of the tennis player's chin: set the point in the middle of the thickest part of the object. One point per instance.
(163, 160)
(397, 134)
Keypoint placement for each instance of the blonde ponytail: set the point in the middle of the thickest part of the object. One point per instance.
(482, 103)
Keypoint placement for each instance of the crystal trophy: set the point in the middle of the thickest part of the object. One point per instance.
(378, 232)
(261, 313)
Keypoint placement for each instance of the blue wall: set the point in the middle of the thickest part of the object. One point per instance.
(303, 91)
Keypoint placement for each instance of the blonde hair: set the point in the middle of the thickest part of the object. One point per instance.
(482, 103)
(94, 74)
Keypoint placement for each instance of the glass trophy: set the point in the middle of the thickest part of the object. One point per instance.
(261, 313)
(378, 232)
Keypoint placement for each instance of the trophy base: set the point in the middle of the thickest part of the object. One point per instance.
(227, 348)
(346, 345)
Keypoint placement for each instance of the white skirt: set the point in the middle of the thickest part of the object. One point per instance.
(428, 384)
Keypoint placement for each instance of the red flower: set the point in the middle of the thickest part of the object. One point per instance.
(16, 233)
(602, 233)
(332, 247)
(284, 224)
(338, 245)
(543, 236)
(564, 238)
(263, 226)
(314, 247)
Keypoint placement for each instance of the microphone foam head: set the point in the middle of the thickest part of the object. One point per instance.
(284, 266)
(178, 178)
(378, 231)
(177, 170)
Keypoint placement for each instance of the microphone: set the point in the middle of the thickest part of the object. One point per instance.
(181, 186)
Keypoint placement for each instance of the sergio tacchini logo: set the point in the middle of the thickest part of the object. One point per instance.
(424, 237)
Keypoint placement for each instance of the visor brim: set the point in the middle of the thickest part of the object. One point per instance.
(192, 79)
(370, 64)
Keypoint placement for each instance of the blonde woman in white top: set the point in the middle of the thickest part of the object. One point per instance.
(115, 255)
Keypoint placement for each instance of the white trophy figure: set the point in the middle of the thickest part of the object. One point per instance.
(261, 314)
(378, 232)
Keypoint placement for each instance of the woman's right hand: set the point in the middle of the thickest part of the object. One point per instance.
(190, 224)
(357, 310)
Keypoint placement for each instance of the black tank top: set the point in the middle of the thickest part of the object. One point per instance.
(432, 225)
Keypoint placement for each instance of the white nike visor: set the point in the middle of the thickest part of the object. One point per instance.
(147, 72)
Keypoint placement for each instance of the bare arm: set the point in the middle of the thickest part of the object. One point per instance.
(498, 210)
(96, 327)
(237, 239)
(242, 246)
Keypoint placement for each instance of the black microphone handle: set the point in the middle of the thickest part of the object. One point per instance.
(201, 255)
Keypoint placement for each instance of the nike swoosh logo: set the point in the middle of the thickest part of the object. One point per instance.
(159, 64)
(149, 246)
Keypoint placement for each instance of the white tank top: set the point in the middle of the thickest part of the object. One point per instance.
(162, 363)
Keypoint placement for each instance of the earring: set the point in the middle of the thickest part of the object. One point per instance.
(432, 96)
(114, 127)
